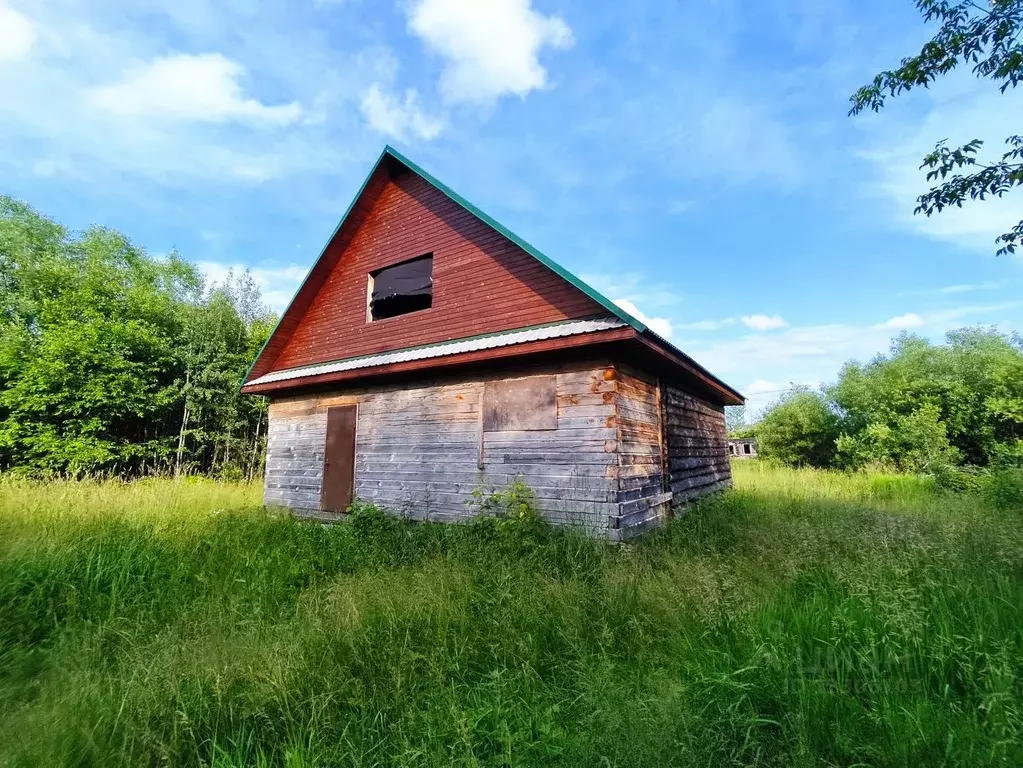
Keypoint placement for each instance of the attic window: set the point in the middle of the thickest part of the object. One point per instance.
(403, 288)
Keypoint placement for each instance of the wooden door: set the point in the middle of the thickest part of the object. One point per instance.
(339, 459)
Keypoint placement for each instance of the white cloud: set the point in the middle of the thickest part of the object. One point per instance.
(490, 48)
(763, 322)
(271, 100)
(200, 88)
(763, 392)
(659, 325)
(637, 287)
(397, 118)
(708, 325)
(17, 34)
(763, 387)
(812, 354)
(902, 322)
(759, 143)
(941, 316)
(793, 353)
(276, 284)
(958, 313)
(681, 206)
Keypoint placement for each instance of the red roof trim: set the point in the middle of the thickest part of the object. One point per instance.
(498, 353)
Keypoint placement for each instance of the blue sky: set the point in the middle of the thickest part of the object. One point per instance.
(693, 160)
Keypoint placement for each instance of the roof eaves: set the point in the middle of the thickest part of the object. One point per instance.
(499, 339)
(675, 350)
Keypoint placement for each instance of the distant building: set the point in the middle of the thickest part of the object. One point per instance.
(431, 354)
(743, 448)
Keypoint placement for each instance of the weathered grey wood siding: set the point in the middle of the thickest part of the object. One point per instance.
(294, 456)
(416, 449)
(573, 469)
(643, 500)
(419, 450)
(626, 449)
(696, 445)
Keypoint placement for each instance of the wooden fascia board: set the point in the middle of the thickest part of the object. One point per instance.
(728, 395)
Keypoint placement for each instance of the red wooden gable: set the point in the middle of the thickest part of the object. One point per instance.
(485, 280)
(482, 282)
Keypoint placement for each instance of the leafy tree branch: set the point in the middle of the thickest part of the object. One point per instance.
(986, 38)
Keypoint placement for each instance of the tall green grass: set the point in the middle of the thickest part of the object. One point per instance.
(802, 619)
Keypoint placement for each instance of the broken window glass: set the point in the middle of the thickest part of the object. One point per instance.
(403, 288)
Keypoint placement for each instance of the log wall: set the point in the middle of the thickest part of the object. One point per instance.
(626, 449)
(696, 446)
(419, 450)
(643, 500)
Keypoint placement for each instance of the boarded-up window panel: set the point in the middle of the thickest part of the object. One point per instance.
(520, 404)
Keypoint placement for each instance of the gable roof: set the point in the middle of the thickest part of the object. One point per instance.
(356, 213)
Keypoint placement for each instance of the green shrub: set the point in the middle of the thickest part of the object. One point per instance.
(974, 480)
(510, 517)
(913, 442)
(799, 430)
(514, 504)
(923, 407)
(1005, 489)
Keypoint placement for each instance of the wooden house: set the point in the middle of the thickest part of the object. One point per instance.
(431, 357)
(742, 448)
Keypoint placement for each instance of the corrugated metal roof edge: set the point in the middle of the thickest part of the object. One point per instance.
(530, 333)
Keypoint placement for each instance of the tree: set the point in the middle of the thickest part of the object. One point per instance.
(222, 334)
(735, 419)
(116, 362)
(923, 404)
(801, 429)
(987, 36)
(87, 350)
(914, 442)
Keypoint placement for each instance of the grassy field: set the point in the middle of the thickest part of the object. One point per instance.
(802, 619)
